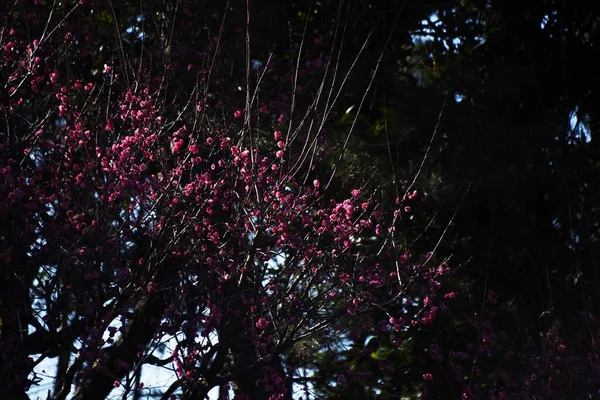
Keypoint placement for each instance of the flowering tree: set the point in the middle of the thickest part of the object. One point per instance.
(158, 209)
(486, 357)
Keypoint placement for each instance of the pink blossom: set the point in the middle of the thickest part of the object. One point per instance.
(262, 323)
(9, 46)
(177, 145)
